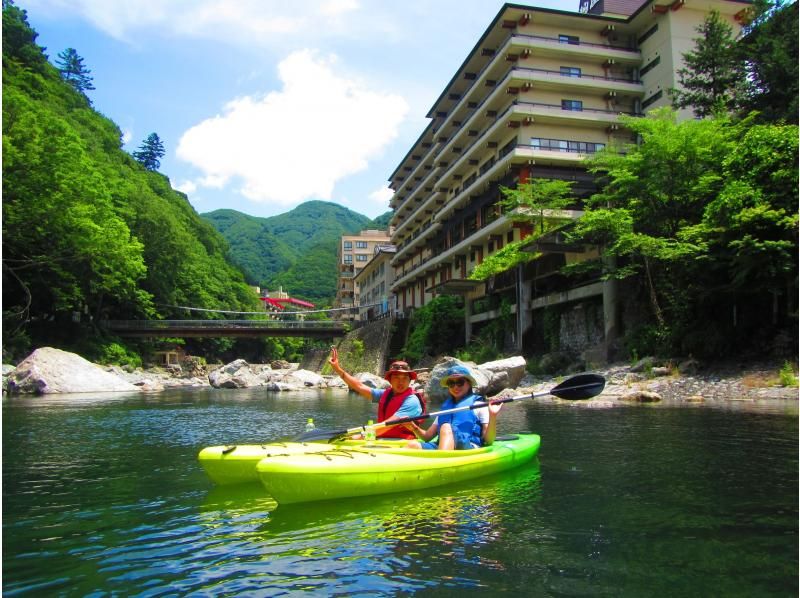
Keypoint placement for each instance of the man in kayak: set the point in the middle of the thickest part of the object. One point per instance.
(461, 430)
(395, 402)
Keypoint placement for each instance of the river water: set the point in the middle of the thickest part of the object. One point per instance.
(103, 496)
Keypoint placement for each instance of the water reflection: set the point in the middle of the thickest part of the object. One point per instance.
(382, 539)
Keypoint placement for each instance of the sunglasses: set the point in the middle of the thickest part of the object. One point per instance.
(458, 382)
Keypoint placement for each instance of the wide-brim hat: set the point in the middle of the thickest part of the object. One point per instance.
(457, 371)
(399, 367)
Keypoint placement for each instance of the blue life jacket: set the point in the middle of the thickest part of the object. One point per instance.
(465, 422)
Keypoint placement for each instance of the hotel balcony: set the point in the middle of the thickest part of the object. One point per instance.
(515, 50)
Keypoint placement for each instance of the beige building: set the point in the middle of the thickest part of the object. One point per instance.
(354, 252)
(373, 284)
(540, 91)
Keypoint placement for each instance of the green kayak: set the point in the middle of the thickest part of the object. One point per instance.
(236, 464)
(343, 471)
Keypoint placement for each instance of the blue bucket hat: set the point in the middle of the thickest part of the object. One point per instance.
(458, 371)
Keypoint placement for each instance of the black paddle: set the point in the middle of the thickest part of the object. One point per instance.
(577, 388)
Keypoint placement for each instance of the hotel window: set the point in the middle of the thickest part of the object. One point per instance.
(568, 39)
(360, 257)
(576, 105)
(348, 259)
(570, 71)
(361, 244)
(348, 244)
(649, 66)
(647, 34)
(653, 98)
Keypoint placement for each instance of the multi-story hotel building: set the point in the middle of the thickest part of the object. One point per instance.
(354, 252)
(373, 284)
(541, 90)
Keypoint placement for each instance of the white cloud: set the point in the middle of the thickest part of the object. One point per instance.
(245, 21)
(382, 196)
(296, 143)
(187, 187)
(126, 137)
(338, 7)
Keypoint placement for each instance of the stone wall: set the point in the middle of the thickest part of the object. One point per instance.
(581, 326)
(361, 350)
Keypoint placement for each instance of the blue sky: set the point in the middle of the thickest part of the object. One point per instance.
(264, 104)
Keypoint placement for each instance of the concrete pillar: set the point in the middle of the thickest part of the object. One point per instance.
(610, 309)
(467, 317)
(524, 315)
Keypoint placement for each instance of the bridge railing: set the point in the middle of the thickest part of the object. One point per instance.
(211, 324)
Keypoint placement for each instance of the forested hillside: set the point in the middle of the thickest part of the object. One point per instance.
(88, 232)
(295, 250)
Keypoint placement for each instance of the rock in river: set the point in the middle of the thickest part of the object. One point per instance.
(48, 370)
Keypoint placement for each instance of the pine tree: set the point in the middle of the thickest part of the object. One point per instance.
(150, 152)
(74, 71)
(714, 77)
(769, 49)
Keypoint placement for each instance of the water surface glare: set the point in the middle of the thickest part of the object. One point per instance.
(103, 495)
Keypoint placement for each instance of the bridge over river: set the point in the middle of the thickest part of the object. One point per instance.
(233, 328)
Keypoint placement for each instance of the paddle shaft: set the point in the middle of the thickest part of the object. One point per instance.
(576, 388)
(477, 405)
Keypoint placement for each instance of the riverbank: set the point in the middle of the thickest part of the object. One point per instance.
(646, 381)
(719, 382)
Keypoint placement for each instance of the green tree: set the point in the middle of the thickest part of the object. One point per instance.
(150, 152)
(769, 48)
(538, 202)
(713, 79)
(74, 71)
(706, 212)
(437, 327)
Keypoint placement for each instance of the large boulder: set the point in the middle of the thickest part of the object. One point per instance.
(304, 378)
(490, 377)
(50, 371)
(503, 373)
(236, 374)
(434, 389)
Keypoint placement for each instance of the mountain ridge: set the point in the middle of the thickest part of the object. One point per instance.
(295, 250)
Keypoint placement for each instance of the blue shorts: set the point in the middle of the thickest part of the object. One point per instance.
(463, 443)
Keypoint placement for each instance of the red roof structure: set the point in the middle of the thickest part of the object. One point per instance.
(280, 302)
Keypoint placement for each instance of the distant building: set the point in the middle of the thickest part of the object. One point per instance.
(373, 284)
(353, 254)
(540, 91)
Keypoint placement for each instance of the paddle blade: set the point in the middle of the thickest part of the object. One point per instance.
(580, 387)
(320, 435)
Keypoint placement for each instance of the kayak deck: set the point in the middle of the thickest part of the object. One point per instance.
(365, 470)
(236, 464)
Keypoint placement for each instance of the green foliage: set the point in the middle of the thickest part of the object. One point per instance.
(382, 221)
(117, 354)
(538, 201)
(714, 77)
(503, 260)
(480, 349)
(787, 376)
(706, 212)
(436, 328)
(769, 51)
(85, 228)
(357, 349)
(150, 152)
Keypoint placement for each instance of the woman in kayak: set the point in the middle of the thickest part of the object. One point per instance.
(461, 430)
(395, 402)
